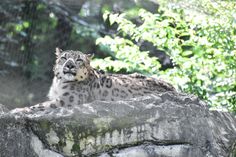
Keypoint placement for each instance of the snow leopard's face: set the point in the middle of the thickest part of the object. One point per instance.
(71, 65)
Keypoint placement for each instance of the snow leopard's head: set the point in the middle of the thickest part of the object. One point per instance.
(72, 65)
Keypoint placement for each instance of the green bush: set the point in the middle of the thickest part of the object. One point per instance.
(203, 53)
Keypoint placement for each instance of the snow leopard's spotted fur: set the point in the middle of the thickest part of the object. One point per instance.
(76, 82)
(83, 84)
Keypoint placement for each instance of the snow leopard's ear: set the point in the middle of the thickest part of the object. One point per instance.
(90, 56)
(58, 52)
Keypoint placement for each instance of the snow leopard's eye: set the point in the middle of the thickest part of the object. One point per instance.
(63, 58)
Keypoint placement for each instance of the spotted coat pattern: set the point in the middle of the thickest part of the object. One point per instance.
(76, 82)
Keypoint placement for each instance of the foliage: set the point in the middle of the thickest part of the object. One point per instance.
(24, 32)
(203, 52)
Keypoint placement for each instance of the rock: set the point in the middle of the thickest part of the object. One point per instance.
(164, 125)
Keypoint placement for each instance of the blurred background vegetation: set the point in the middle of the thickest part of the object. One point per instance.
(190, 43)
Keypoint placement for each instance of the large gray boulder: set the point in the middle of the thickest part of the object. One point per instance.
(164, 125)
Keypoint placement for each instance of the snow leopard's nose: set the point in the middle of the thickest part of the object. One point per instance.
(70, 64)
